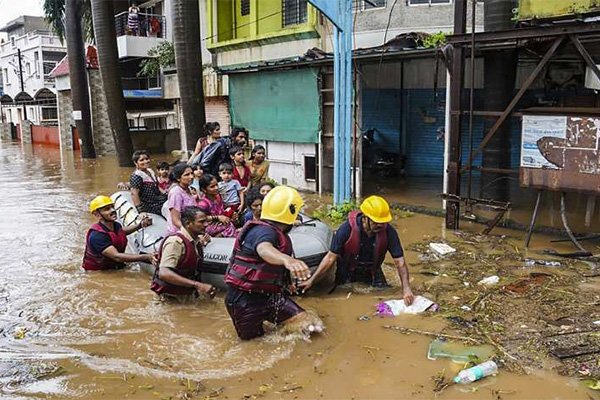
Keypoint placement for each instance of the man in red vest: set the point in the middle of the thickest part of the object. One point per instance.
(360, 245)
(106, 240)
(261, 265)
(180, 258)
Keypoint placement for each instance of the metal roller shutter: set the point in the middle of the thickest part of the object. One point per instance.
(217, 109)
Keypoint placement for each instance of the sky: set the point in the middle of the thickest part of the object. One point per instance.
(11, 9)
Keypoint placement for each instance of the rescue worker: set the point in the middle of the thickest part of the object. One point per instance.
(180, 258)
(106, 240)
(262, 266)
(359, 246)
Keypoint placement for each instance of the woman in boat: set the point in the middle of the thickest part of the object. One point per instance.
(212, 133)
(219, 225)
(143, 184)
(259, 165)
(180, 195)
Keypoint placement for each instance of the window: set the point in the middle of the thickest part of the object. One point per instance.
(361, 5)
(36, 64)
(310, 168)
(245, 5)
(12, 41)
(428, 2)
(294, 12)
(49, 113)
(49, 66)
(6, 82)
(28, 68)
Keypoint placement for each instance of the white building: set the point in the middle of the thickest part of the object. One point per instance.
(27, 87)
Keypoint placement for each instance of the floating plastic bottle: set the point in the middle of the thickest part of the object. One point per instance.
(476, 373)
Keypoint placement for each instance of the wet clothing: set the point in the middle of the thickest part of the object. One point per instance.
(151, 197)
(255, 292)
(244, 181)
(184, 256)
(230, 192)
(248, 311)
(98, 239)
(364, 269)
(214, 155)
(248, 215)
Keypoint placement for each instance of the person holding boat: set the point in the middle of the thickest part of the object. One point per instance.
(180, 258)
(359, 246)
(106, 240)
(262, 267)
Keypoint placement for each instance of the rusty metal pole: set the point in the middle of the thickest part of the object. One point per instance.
(456, 87)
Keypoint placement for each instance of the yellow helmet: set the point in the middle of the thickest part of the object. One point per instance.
(282, 204)
(99, 202)
(377, 209)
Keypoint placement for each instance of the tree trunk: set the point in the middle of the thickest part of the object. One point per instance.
(78, 77)
(108, 58)
(188, 60)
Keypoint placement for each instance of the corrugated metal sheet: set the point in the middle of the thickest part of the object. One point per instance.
(381, 110)
(217, 110)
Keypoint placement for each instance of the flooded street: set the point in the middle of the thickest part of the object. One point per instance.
(107, 336)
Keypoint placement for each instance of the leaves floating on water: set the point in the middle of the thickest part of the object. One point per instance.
(593, 384)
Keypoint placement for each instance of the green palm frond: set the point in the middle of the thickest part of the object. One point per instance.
(54, 12)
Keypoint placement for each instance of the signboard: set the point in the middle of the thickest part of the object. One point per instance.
(561, 153)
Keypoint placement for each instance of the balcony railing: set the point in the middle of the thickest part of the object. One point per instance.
(145, 25)
(140, 83)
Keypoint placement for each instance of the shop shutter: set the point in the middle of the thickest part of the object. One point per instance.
(217, 110)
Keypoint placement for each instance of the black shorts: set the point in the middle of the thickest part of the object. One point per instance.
(248, 311)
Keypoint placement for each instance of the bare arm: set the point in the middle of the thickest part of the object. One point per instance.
(175, 218)
(135, 196)
(241, 193)
(112, 253)
(402, 268)
(196, 152)
(272, 256)
(326, 263)
(168, 275)
(144, 222)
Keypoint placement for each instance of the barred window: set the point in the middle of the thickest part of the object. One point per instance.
(294, 12)
(361, 5)
(49, 113)
(428, 2)
(245, 4)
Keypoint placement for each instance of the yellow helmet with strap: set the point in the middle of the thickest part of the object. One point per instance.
(99, 202)
(282, 204)
(377, 209)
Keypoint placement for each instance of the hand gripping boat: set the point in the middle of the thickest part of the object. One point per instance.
(310, 240)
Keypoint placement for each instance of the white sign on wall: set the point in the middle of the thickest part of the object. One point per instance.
(535, 128)
(77, 115)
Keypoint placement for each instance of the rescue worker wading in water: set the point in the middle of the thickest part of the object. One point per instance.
(262, 266)
(106, 240)
(359, 247)
(180, 258)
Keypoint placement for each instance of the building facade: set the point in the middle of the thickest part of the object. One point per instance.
(28, 90)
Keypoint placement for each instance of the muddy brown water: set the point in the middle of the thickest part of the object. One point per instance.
(106, 336)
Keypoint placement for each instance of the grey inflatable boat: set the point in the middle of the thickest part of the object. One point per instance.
(310, 240)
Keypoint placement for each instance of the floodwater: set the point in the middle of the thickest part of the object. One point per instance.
(106, 336)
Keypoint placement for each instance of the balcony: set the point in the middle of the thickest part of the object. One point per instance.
(135, 39)
(142, 88)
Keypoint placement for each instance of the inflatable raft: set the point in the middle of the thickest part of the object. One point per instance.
(310, 240)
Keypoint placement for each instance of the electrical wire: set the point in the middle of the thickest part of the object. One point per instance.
(382, 51)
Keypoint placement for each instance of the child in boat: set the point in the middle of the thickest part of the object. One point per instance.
(212, 205)
(164, 183)
(198, 172)
(254, 201)
(231, 190)
(241, 172)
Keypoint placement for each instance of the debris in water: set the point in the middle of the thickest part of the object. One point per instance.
(20, 332)
(523, 285)
(402, 329)
(545, 263)
(364, 318)
(459, 352)
(490, 280)
(440, 382)
(397, 307)
(593, 384)
(476, 373)
(441, 248)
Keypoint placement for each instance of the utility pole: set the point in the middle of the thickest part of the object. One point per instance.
(22, 82)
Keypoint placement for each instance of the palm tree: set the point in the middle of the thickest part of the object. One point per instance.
(66, 16)
(188, 60)
(108, 58)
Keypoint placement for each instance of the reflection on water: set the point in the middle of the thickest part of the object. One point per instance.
(105, 335)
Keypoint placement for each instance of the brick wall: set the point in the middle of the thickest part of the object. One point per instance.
(65, 119)
(5, 133)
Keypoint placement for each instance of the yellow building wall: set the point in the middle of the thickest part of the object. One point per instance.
(530, 9)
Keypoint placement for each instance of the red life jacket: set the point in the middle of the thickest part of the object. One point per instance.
(188, 267)
(95, 262)
(251, 273)
(350, 262)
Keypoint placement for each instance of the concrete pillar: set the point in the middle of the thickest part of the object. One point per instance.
(26, 131)
(5, 133)
(65, 119)
(104, 141)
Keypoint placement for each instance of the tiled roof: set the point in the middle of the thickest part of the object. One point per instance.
(62, 68)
